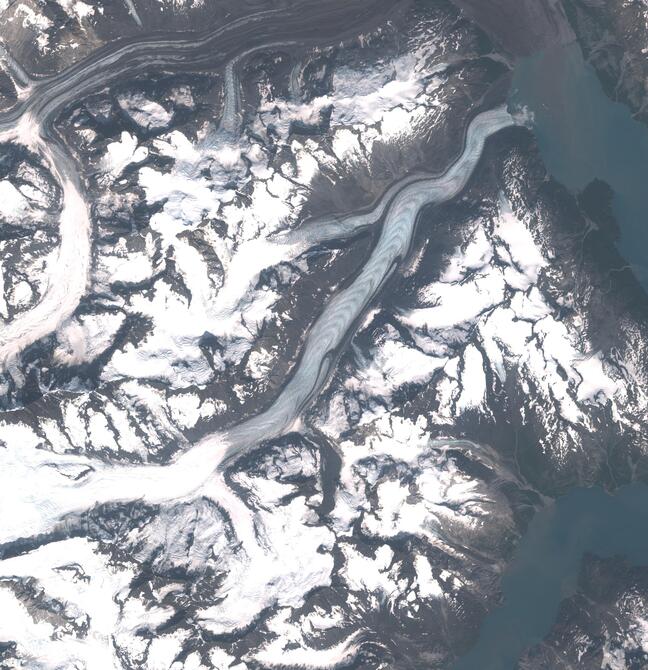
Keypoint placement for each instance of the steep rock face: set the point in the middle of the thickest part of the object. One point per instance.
(614, 36)
(196, 306)
(603, 625)
(493, 330)
(176, 499)
(523, 27)
(30, 204)
(45, 37)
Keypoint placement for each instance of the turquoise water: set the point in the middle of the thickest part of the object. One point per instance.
(546, 564)
(582, 135)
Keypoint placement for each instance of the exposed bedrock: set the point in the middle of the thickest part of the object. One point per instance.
(602, 625)
(321, 337)
(30, 123)
(520, 27)
(83, 483)
(613, 37)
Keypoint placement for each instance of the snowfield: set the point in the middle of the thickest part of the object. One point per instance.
(289, 332)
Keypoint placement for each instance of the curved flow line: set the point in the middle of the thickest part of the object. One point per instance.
(30, 123)
(66, 285)
(41, 503)
(343, 310)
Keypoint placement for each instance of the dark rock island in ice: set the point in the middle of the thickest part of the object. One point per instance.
(301, 329)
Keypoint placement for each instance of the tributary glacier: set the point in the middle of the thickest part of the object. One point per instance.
(302, 336)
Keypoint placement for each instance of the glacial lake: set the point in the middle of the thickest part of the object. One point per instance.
(582, 135)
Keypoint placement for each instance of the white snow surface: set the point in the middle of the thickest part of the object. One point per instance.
(68, 273)
(485, 314)
(516, 325)
(75, 574)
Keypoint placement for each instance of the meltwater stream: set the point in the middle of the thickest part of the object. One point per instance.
(582, 135)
